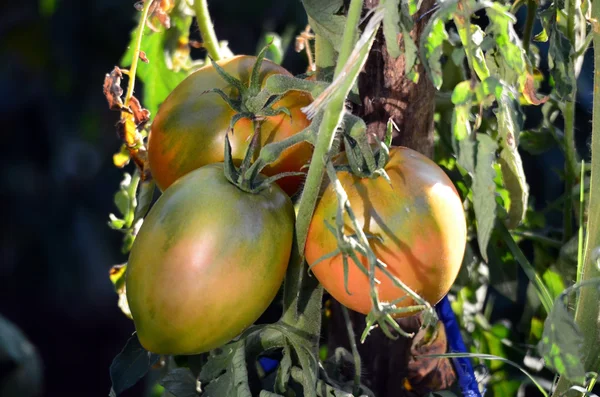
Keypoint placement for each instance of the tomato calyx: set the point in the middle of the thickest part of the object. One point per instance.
(250, 101)
(364, 160)
(247, 176)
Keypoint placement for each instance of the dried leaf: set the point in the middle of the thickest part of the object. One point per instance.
(530, 93)
(113, 91)
(140, 115)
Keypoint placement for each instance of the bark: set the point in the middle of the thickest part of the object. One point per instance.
(391, 368)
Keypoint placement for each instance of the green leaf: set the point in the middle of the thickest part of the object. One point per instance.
(536, 141)
(561, 344)
(115, 223)
(559, 58)
(461, 125)
(180, 382)
(165, 70)
(554, 282)
(122, 201)
(509, 127)
(432, 49)
(410, 52)
(144, 199)
(541, 37)
(130, 365)
(466, 153)
(326, 20)
(414, 6)
(462, 93)
(507, 41)
(391, 26)
(225, 374)
(283, 372)
(484, 191)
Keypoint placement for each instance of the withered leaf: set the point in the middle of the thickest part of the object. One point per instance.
(160, 9)
(140, 115)
(113, 91)
(529, 91)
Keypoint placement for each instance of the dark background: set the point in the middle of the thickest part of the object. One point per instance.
(57, 177)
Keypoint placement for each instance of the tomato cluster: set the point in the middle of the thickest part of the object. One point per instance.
(212, 254)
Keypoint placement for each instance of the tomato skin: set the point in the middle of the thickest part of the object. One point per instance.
(189, 129)
(207, 262)
(420, 218)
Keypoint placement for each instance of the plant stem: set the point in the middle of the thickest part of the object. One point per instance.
(207, 30)
(569, 139)
(297, 280)
(570, 164)
(532, 7)
(350, 34)
(587, 313)
(355, 354)
(136, 53)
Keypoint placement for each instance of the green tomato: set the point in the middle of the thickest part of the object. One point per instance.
(207, 262)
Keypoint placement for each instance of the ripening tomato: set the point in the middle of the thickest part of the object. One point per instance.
(190, 126)
(417, 225)
(207, 262)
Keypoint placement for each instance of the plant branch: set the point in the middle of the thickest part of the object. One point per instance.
(136, 53)
(207, 30)
(355, 354)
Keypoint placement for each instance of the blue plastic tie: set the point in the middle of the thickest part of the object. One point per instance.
(462, 366)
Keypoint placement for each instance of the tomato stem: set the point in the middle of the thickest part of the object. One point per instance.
(207, 30)
(332, 103)
(136, 56)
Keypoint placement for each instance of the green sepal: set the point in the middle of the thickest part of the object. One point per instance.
(242, 90)
(254, 84)
(231, 172)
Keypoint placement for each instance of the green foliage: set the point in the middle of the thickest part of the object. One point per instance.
(561, 344)
(325, 20)
(130, 365)
(180, 382)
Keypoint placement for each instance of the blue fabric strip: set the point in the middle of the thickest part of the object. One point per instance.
(462, 366)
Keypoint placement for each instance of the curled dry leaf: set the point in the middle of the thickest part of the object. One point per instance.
(140, 115)
(529, 91)
(161, 9)
(113, 91)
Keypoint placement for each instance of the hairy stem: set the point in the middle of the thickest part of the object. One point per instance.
(207, 30)
(570, 164)
(136, 53)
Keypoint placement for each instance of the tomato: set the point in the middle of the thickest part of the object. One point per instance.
(419, 219)
(207, 262)
(190, 126)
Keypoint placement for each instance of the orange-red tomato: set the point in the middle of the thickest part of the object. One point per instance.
(207, 262)
(419, 219)
(190, 126)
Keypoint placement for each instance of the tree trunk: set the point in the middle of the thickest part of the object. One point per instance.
(389, 367)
